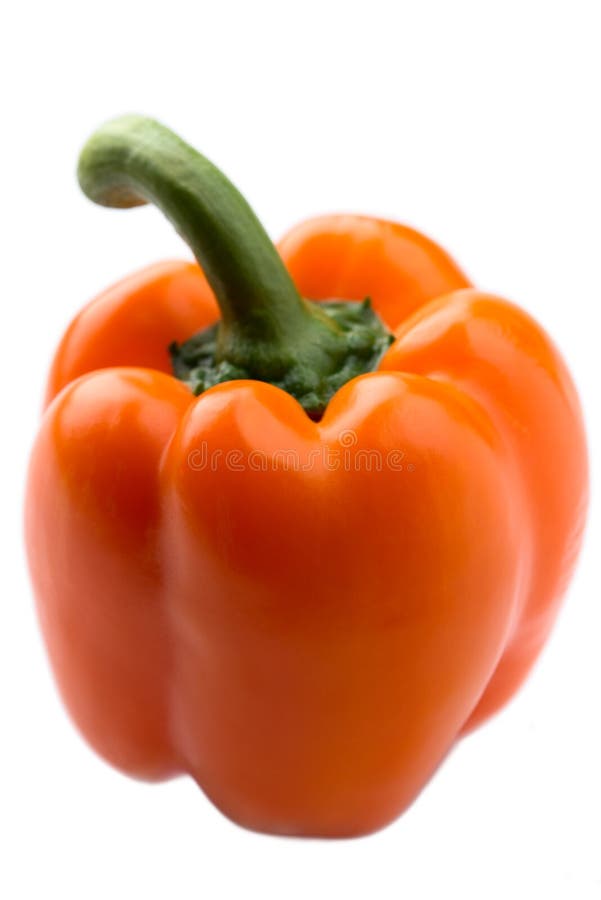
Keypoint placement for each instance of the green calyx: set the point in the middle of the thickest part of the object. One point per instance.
(354, 345)
(267, 332)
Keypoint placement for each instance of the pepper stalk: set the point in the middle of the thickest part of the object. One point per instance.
(267, 331)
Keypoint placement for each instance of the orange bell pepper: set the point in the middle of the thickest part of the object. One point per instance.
(299, 571)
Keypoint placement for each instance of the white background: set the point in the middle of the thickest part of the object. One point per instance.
(474, 121)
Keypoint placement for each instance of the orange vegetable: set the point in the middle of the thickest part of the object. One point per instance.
(300, 602)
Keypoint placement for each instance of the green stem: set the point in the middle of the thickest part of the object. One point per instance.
(133, 160)
(267, 331)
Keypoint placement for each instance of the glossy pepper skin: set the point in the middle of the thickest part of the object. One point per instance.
(304, 615)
